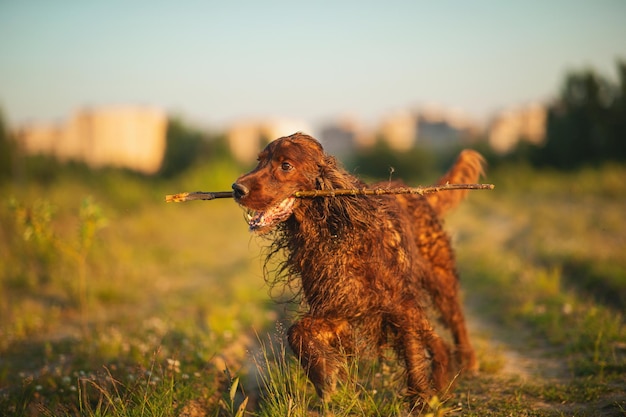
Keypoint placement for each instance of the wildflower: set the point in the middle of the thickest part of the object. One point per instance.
(173, 365)
(567, 309)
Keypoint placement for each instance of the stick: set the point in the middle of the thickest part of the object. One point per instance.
(197, 195)
(202, 195)
(401, 190)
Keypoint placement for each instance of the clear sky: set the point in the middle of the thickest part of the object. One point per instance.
(214, 62)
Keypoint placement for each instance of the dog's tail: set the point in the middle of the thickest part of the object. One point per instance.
(468, 168)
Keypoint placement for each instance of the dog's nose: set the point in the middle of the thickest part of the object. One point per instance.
(240, 190)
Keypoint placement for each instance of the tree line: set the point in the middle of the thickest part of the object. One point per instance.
(586, 124)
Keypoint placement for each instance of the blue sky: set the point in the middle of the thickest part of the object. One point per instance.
(215, 62)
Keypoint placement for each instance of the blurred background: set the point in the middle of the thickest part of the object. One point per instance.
(100, 83)
(112, 302)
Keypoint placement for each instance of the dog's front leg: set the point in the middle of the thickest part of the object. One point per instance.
(321, 345)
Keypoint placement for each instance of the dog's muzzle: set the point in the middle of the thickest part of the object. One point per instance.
(240, 191)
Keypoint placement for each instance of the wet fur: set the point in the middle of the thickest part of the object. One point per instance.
(367, 266)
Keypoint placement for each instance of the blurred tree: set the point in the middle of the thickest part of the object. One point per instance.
(187, 145)
(7, 151)
(586, 124)
(182, 147)
(617, 136)
(381, 162)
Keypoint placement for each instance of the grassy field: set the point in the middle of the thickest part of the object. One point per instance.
(115, 303)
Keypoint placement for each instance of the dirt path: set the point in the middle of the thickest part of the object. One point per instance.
(519, 371)
(521, 355)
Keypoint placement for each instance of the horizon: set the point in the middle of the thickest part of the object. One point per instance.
(214, 64)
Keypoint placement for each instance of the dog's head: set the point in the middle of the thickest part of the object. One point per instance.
(286, 165)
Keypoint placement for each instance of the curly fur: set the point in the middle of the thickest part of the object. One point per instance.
(367, 266)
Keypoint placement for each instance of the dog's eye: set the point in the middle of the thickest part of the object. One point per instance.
(286, 166)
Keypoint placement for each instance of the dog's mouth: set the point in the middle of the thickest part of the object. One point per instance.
(263, 221)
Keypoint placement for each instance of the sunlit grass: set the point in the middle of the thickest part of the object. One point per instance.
(526, 255)
(183, 281)
(115, 303)
(370, 388)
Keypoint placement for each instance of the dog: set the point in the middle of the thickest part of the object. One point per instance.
(368, 266)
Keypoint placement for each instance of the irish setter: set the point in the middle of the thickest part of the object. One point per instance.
(368, 265)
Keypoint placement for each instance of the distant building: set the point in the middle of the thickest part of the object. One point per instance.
(440, 128)
(337, 139)
(344, 135)
(431, 127)
(399, 130)
(524, 123)
(126, 137)
(246, 138)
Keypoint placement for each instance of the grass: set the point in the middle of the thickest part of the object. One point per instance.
(115, 303)
(516, 259)
(186, 296)
(371, 388)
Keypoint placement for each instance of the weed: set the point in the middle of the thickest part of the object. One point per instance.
(370, 388)
(230, 404)
(45, 256)
(118, 304)
(285, 389)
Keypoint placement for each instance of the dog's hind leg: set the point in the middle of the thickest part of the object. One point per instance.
(321, 344)
(449, 304)
(417, 339)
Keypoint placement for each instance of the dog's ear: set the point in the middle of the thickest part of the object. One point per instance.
(324, 168)
(331, 175)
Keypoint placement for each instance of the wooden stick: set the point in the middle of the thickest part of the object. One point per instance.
(197, 195)
(401, 190)
(203, 195)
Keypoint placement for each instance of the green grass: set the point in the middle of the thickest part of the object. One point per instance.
(115, 303)
(518, 250)
(95, 282)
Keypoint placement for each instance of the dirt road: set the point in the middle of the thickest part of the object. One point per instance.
(518, 374)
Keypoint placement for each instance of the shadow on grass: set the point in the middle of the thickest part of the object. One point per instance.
(605, 283)
(83, 376)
